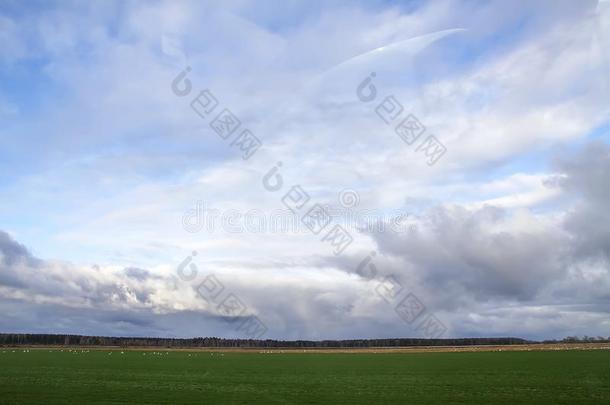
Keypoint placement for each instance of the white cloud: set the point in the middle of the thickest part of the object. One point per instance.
(119, 159)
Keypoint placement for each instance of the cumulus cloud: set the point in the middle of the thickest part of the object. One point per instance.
(471, 259)
(57, 296)
(587, 177)
(486, 270)
(485, 253)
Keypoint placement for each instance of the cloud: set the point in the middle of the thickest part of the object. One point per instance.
(469, 259)
(13, 252)
(483, 254)
(118, 159)
(484, 270)
(587, 178)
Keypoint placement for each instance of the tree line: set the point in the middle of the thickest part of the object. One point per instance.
(15, 339)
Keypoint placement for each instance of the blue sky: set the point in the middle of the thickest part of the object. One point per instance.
(100, 162)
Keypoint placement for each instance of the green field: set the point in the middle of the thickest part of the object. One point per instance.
(557, 377)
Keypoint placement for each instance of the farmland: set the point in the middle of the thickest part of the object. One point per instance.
(114, 376)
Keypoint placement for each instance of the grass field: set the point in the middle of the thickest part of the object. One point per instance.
(553, 377)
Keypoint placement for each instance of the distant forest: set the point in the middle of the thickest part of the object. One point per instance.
(15, 339)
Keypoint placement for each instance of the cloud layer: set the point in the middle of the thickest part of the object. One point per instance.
(507, 234)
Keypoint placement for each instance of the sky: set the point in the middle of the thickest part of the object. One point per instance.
(305, 169)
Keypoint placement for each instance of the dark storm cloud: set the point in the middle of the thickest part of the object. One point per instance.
(136, 273)
(13, 252)
(468, 260)
(588, 177)
(29, 317)
(458, 249)
(19, 270)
